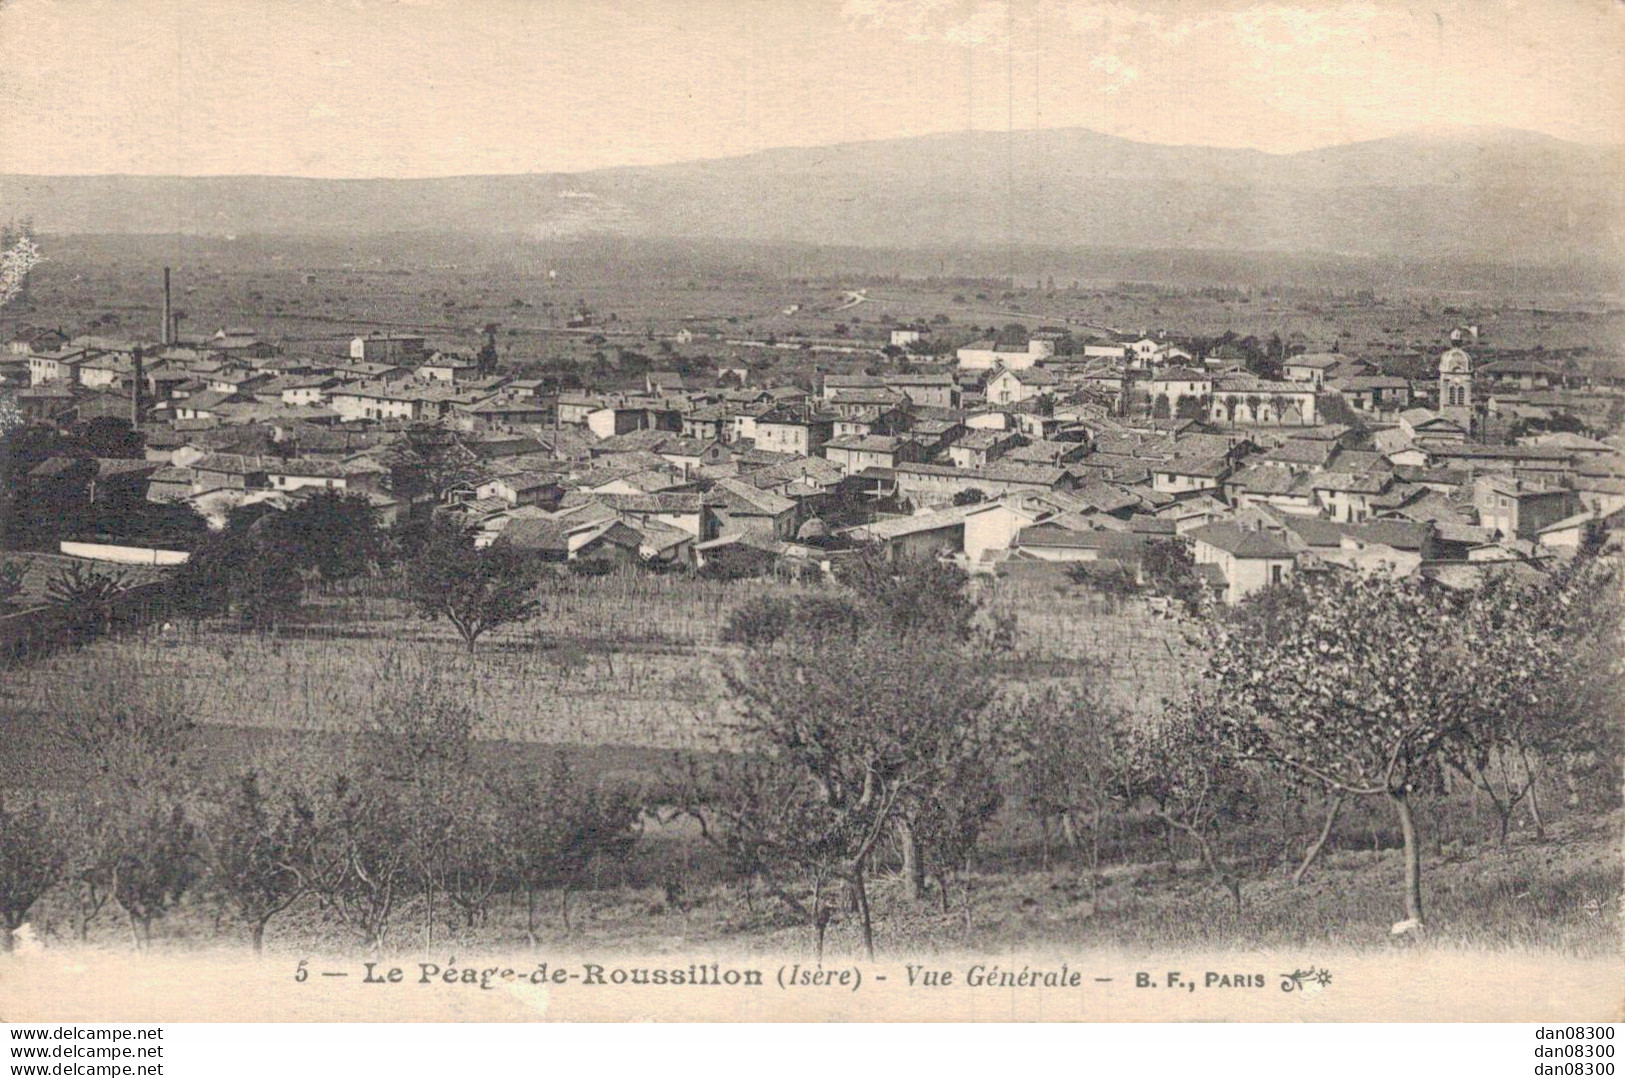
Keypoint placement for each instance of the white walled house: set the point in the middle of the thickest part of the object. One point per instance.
(1249, 557)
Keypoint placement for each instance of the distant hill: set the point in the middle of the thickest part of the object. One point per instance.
(1476, 194)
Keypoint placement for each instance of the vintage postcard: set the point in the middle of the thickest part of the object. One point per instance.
(734, 510)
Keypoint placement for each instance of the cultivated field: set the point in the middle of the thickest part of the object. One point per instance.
(621, 671)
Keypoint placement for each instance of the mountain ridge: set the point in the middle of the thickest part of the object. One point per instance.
(1498, 194)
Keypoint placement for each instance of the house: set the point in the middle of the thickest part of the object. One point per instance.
(442, 367)
(61, 365)
(609, 419)
(684, 512)
(1056, 542)
(979, 448)
(1397, 547)
(903, 336)
(708, 423)
(936, 534)
(1571, 533)
(209, 404)
(1274, 486)
(1312, 367)
(850, 402)
(1519, 374)
(792, 430)
(372, 372)
(1189, 475)
(933, 484)
(231, 471)
(889, 420)
(505, 411)
(106, 371)
(663, 383)
(985, 354)
(347, 476)
(235, 380)
(36, 339)
(1349, 496)
(854, 453)
(1248, 555)
(1373, 392)
(307, 390)
(1517, 508)
(395, 349)
(1176, 385)
(743, 507)
(1014, 385)
(832, 384)
(1109, 352)
(567, 537)
(1246, 400)
(927, 390)
(1044, 451)
(1427, 428)
(377, 400)
(523, 488)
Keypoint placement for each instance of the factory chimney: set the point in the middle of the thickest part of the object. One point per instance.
(167, 336)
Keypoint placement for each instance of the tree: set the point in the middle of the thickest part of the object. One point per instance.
(261, 851)
(1334, 408)
(1072, 756)
(82, 598)
(244, 570)
(487, 359)
(1188, 773)
(1350, 682)
(32, 859)
(363, 858)
(553, 828)
(912, 594)
(1170, 570)
(477, 591)
(156, 863)
(969, 496)
(1546, 660)
(19, 255)
(333, 532)
(867, 726)
(111, 436)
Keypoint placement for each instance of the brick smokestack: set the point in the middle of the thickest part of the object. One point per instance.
(167, 336)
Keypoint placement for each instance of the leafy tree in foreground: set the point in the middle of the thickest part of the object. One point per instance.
(1351, 683)
(156, 863)
(32, 859)
(867, 729)
(1072, 753)
(1186, 771)
(553, 828)
(261, 851)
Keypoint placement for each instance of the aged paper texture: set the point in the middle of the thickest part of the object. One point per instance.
(934, 510)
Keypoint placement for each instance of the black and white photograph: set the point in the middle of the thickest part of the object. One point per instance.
(812, 510)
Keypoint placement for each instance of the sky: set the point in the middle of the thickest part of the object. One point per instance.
(365, 88)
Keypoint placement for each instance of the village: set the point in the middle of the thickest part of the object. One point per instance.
(1092, 602)
(1028, 453)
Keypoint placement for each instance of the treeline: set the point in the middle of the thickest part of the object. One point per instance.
(403, 822)
(883, 727)
(880, 722)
